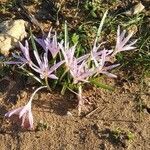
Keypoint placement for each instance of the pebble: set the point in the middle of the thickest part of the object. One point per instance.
(11, 32)
(135, 10)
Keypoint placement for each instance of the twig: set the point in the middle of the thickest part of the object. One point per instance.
(92, 112)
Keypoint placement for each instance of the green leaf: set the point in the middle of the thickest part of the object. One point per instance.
(75, 38)
(93, 14)
(80, 50)
(63, 90)
(32, 41)
(66, 35)
(98, 84)
(100, 26)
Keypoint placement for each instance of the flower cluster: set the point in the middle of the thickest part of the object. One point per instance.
(79, 69)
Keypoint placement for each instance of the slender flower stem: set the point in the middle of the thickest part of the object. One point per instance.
(80, 104)
(31, 98)
(47, 84)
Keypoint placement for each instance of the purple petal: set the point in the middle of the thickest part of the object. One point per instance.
(111, 67)
(45, 60)
(41, 42)
(84, 57)
(13, 62)
(63, 52)
(71, 53)
(121, 36)
(121, 44)
(127, 39)
(52, 76)
(27, 120)
(103, 57)
(24, 118)
(37, 57)
(13, 112)
(109, 74)
(22, 59)
(25, 50)
(129, 46)
(87, 74)
(53, 68)
(49, 33)
(30, 116)
(80, 67)
(25, 109)
(36, 69)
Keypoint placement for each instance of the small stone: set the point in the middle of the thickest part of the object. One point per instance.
(132, 29)
(135, 10)
(69, 113)
(23, 94)
(11, 32)
(138, 8)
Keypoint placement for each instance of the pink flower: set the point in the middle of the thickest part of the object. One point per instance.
(101, 64)
(24, 114)
(80, 71)
(49, 43)
(24, 57)
(121, 44)
(43, 67)
(68, 54)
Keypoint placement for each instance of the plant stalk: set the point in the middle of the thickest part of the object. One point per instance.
(80, 103)
(31, 98)
(47, 84)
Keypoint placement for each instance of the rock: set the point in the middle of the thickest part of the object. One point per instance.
(135, 10)
(3, 1)
(11, 32)
(138, 8)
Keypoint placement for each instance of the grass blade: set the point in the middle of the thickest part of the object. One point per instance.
(100, 26)
(98, 84)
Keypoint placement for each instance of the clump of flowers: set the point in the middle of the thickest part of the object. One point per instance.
(73, 70)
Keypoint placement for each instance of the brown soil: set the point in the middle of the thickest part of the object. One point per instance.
(114, 115)
(114, 120)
